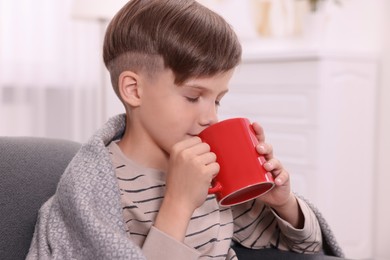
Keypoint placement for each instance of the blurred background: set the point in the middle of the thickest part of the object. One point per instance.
(315, 74)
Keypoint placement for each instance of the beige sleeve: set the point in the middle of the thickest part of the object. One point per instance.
(160, 246)
(258, 226)
(305, 240)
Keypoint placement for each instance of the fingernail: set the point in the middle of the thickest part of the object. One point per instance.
(262, 148)
(268, 165)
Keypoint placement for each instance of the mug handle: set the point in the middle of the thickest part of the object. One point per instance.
(215, 188)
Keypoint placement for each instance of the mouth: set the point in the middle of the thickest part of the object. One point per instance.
(197, 132)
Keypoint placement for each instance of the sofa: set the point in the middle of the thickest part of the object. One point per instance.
(30, 168)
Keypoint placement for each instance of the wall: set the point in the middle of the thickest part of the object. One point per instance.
(382, 231)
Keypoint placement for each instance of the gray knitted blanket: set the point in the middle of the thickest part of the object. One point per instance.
(83, 220)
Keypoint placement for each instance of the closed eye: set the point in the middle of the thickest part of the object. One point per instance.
(192, 100)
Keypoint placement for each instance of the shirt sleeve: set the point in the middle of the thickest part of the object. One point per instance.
(258, 226)
(305, 240)
(159, 245)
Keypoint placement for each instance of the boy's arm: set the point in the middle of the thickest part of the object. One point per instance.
(191, 169)
(280, 198)
(257, 225)
(173, 219)
(291, 212)
(299, 226)
(305, 239)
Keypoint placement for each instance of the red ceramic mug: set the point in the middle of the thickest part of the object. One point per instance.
(242, 176)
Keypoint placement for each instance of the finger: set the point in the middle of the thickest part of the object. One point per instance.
(282, 178)
(213, 169)
(187, 143)
(207, 158)
(265, 149)
(209, 171)
(274, 166)
(259, 132)
(199, 148)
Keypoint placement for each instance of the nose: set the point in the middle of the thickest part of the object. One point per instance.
(209, 116)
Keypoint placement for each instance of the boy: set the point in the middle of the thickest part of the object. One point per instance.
(138, 188)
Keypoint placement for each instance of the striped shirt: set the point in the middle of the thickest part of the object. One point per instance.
(212, 228)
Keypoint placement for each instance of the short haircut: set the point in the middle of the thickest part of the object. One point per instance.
(181, 35)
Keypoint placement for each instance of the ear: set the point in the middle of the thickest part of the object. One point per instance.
(129, 88)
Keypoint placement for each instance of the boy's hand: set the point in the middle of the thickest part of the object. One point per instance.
(191, 169)
(280, 197)
(280, 193)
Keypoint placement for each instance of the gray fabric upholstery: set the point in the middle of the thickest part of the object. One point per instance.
(30, 169)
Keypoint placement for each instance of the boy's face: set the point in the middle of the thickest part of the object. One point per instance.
(169, 113)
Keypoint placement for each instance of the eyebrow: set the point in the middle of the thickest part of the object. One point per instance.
(203, 88)
(193, 86)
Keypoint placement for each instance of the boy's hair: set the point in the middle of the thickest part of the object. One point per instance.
(181, 35)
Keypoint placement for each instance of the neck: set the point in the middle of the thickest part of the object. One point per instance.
(140, 148)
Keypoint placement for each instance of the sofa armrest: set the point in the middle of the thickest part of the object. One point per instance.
(30, 168)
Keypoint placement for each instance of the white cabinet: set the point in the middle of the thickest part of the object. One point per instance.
(319, 113)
